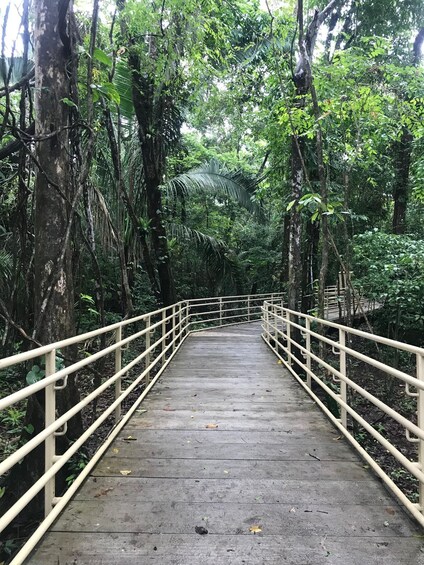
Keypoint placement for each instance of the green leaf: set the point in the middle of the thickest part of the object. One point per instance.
(35, 375)
(69, 102)
(29, 430)
(109, 89)
(101, 56)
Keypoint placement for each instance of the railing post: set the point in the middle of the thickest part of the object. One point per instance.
(276, 319)
(220, 311)
(180, 322)
(288, 333)
(420, 411)
(187, 317)
(266, 320)
(248, 308)
(343, 386)
(147, 342)
(164, 311)
(118, 367)
(308, 354)
(50, 442)
(174, 320)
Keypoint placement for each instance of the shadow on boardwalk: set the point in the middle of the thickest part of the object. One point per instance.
(227, 443)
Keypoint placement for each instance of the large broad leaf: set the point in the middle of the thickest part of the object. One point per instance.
(122, 82)
(215, 179)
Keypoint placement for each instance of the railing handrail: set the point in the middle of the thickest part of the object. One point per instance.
(360, 333)
(172, 324)
(279, 324)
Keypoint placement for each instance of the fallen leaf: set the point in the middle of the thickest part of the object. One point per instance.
(211, 426)
(130, 438)
(103, 492)
(390, 511)
(200, 530)
(337, 438)
(114, 450)
(225, 471)
(125, 472)
(293, 509)
(279, 362)
(141, 411)
(255, 529)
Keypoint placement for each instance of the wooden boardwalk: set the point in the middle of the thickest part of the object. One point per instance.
(228, 443)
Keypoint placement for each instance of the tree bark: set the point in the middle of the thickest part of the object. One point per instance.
(149, 109)
(53, 54)
(403, 151)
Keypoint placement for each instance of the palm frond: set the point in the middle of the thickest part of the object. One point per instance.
(213, 178)
(218, 257)
(210, 248)
(6, 266)
(123, 84)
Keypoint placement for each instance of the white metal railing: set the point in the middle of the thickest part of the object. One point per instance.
(154, 337)
(299, 341)
(335, 305)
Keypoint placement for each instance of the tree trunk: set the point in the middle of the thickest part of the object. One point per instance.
(302, 78)
(53, 283)
(403, 151)
(295, 242)
(150, 108)
(284, 274)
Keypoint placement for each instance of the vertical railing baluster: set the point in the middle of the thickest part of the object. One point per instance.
(288, 334)
(266, 321)
(187, 318)
(180, 322)
(343, 386)
(248, 308)
(147, 347)
(174, 324)
(308, 354)
(220, 311)
(50, 442)
(420, 422)
(275, 313)
(163, 335)
(118, 367)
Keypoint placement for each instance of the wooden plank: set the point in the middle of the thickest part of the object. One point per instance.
(234, 518)
(300, 451)
(225, 436)
(228, 469)
(308, 491)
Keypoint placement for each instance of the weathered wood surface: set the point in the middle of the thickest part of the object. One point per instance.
(273, 462)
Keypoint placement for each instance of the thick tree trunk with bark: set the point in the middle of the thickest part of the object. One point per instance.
(53, 286)
(54, 291)
(149, 109)
(295, 243)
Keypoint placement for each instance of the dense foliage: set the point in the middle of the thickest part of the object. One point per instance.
(162, 93)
